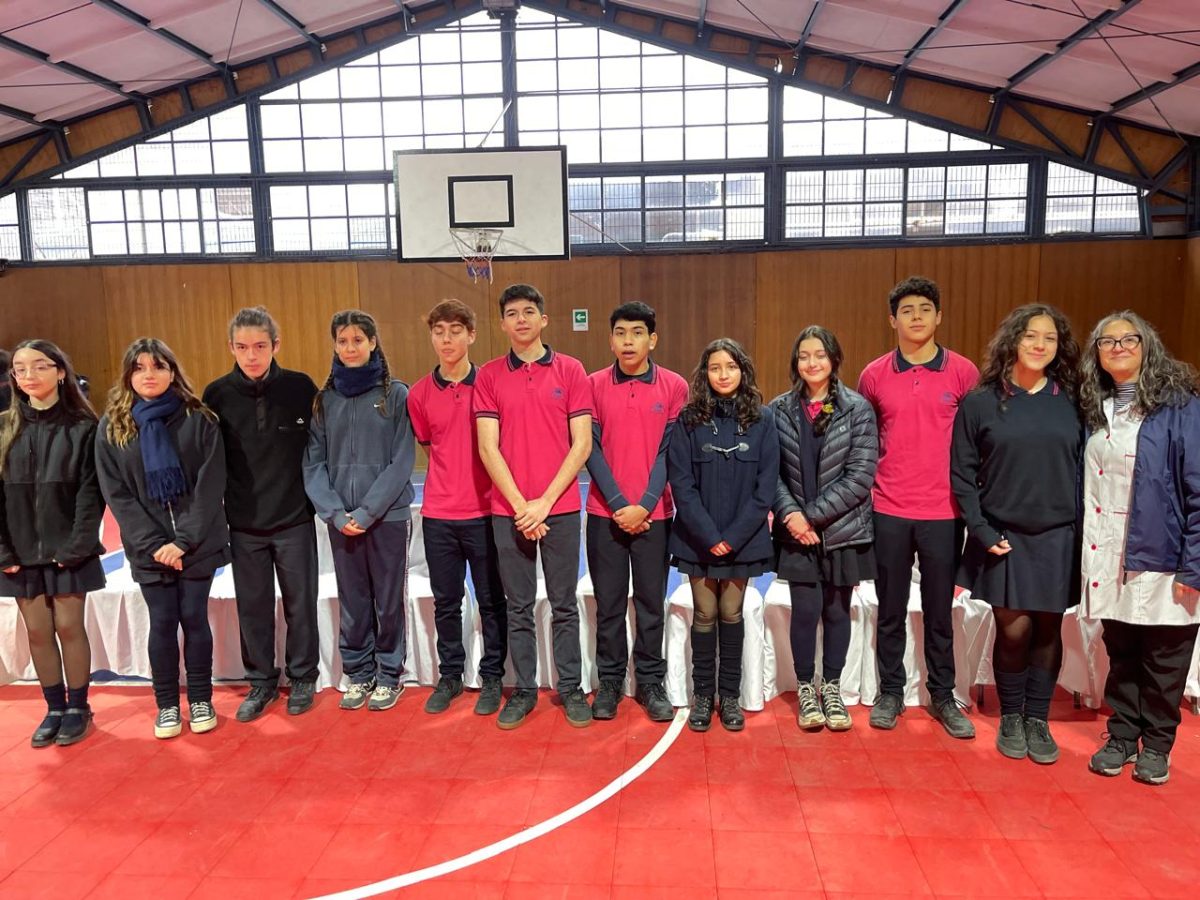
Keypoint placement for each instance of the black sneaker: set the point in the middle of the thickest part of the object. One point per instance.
(448, 687)
(489, 696)
(201, 717)
(260, 697)
(168, 723)
(1010, 739)
(44, 734)
(520, 704)
(887, 709)
(1115, 755)
(956, 724)
(576, 707)
(701, 715)
(1152, 766)
(611, 693)
(301, 697)
(76, 723)
(731, 714)
(654, 700)
(1043, 749)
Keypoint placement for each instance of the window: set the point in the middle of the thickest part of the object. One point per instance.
(1080, 202)
(174, 221)
(10, 235)
(906, 201)
(58, 224)
(612, 99)
(333, 218)
(667, 208)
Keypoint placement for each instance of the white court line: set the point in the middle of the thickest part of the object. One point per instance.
(536, 831)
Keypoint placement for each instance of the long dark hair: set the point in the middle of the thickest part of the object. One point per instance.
(121, 397)
(366, 322)
(1162, 379)
(1001, 353)
(70, 397)
(833, 350)
(702, 401)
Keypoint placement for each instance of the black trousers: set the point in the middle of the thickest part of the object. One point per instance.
(813, 605)
(1148, 667)
(172, 604)
(937, 545)
(518, 571)
(290, 554)
(450, 545)
(612, 555)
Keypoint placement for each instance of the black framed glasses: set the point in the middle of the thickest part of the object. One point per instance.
(1127, 342)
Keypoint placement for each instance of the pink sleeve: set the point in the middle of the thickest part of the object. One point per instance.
(483, 399)
(593, 385)
(416, 413)
(579, 391)
(679, 397)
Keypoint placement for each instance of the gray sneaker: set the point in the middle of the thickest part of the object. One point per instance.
(887, 709)
(956, 724)
(1110, 759)
(575, 705)
(1010, 739)
(384, 697)
(520, 704)
(810, 716)
(1152, 766)
(356, 695)
(448, 687)
(1043, 749)
(490, 695)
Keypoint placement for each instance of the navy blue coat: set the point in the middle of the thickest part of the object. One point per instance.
(1164, 508)
(723, 496)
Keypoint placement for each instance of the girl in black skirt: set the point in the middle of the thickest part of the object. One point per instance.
(1014, 469)
(50, 529)
(162, 467)
(828, 449)
(723, 464)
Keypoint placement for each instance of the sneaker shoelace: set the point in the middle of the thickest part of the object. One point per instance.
(831, 697)
(168, 716)
(382, 692)
(201, 710)
(808, 700)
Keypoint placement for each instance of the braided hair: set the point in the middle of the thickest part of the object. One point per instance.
(365, 322)
(833, 350)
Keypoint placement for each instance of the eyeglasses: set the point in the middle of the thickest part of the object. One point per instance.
(1127, 342)
(35, 371)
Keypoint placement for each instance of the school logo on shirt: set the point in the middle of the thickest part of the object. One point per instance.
(948, 398)
(658, 409)
(557, 393)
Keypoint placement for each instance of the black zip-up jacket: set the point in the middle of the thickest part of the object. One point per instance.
(195, 522)
(49, 495)
(265, 427)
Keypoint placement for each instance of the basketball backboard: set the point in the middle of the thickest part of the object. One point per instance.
(521, 191)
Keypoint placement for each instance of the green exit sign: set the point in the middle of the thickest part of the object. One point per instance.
(579, 320)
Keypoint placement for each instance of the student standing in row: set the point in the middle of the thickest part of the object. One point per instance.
(1014, 470)
(629, 509)
(264, 411)
(162, 468)
(723, 464)
(456, 511)
(533, 412)
(50, 512)
(1141, 535)
(916, 390)
(828, 449)
(358, 474)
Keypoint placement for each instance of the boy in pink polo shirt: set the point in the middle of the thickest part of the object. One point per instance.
(629, 509)
(457, 511)
(533, 414)
(915, 390)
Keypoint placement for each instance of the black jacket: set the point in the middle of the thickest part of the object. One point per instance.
(49, 496)
(723, 482)
(265, 427)
(195, 523)
(842, 510)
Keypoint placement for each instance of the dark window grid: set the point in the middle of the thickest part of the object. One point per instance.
(422, 74)
(642, 132)
(353, 243)
(10, 241)
(201, 220)
(1093, 200)
(383, 131)
(138, 164)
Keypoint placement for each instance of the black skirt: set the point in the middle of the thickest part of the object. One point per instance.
(1039, 574)
(843, 567)
(748, 569)
(50, 581)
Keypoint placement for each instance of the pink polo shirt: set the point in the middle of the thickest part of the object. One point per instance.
(915, 407)
(534, 403)
(457, 486)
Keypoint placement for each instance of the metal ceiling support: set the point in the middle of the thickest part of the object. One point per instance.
(69, 68)
(1180, 77)
(929, 35)
(1064, 46)
(701, 16)
(807, 31)
(22, 116)
(292, 22)
(34, 149)
(1129, 152)
(145, 24)
(1178, 161)
(1040, 128)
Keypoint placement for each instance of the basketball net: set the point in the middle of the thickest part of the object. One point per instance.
(477, 246)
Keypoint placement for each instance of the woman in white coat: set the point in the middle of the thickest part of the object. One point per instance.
(1141, 535)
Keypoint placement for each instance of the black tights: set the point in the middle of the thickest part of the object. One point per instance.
(58, 641)
(820, 604)
(1026, 657)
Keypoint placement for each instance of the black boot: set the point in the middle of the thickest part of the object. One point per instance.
(56, 705)
(700, 718)
(77, 720)
(731, 713)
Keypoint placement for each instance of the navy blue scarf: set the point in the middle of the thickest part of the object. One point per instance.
(351, 381)
(165, 481)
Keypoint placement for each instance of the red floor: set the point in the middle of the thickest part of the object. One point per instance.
(300, 807)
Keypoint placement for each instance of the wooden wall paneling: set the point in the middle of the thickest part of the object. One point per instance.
(1091, 279)
(979, 285)
(64, 305)
(842, 290)
(1189, 347)
(697, 297)
(186, 306)
(302, 297)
